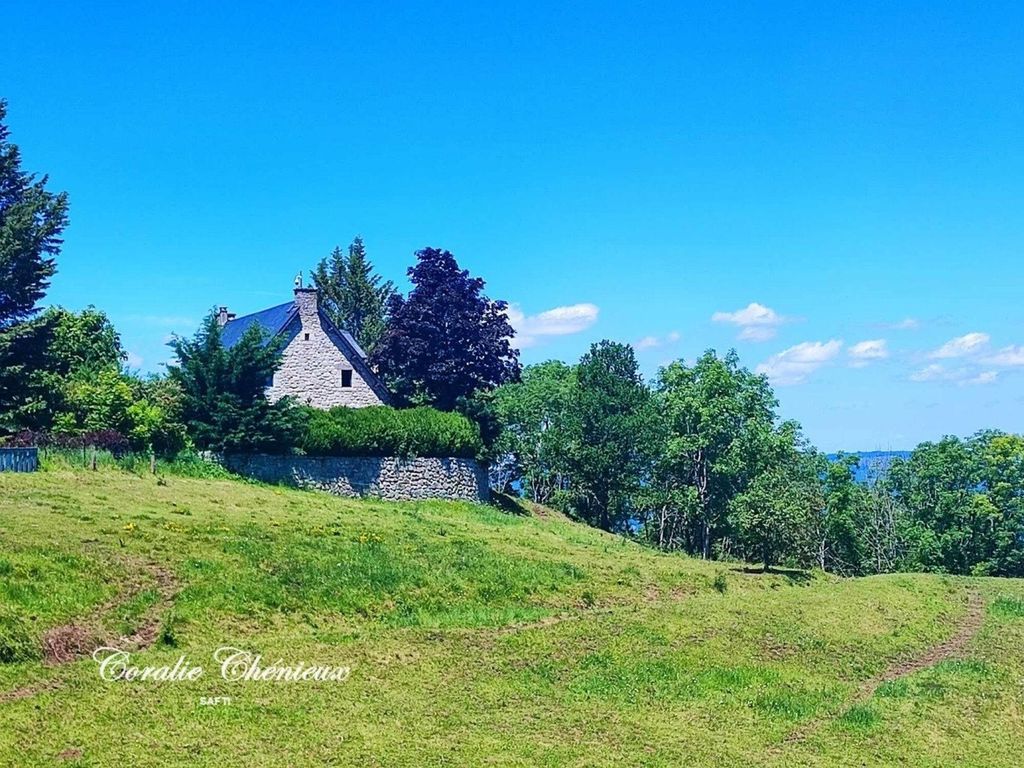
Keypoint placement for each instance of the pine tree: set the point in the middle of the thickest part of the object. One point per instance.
(353, 295)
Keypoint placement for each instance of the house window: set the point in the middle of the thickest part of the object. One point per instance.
(270, 381)
(346, 378)
(305, 337)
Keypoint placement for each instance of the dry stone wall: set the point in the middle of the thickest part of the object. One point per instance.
(386, 477)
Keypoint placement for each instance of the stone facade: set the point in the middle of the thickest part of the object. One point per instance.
(319, 367)
(387, 477)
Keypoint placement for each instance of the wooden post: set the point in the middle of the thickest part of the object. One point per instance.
(94, 458)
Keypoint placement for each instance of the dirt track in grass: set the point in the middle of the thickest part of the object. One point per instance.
(78, 640)
(948, 649)
(951, 648)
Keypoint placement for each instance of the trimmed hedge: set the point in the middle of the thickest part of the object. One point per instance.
(384, 431)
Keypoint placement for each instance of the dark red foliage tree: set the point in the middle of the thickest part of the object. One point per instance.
(446, 340)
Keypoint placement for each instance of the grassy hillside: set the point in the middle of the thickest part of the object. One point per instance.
(474, 636)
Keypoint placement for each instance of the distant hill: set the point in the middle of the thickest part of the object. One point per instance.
(873, 464)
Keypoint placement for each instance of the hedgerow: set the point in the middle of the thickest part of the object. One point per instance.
(384, 431)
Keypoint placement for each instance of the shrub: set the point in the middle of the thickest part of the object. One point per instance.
(384, 431)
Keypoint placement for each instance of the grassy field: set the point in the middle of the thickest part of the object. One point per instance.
(474, 637)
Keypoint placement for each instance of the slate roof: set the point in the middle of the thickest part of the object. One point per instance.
(276, 320)
(355, 344)
(273, 321)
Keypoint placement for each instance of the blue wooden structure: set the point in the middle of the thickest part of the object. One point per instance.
(19, 459)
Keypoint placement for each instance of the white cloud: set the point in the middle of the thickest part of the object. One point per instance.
(985, 377)
(133, 360)
(962, 376)
(559, 321)
(906, 324)
(931, 372)
(794, 365)
(757, 333)
(961, 346)
(863, 352)
(1007, 356)
(758, 322)
(651, 342)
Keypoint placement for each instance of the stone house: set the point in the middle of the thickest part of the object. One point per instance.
(321, 365)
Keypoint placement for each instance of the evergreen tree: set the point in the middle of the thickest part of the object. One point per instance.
(31, 222)
(27, 397)
(447, 340)
(225, 407)
(353, 295)
(330, 279)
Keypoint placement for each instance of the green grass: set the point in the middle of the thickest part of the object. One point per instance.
(1011, 606)
(475, 637)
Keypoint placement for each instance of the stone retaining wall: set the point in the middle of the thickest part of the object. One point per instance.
(387, 477)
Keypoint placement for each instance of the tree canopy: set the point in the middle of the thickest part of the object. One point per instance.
(32, 220)
(447, 339)
(354, 297)
(225, 407)
(533, 416)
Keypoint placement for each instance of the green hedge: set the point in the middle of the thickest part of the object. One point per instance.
(383, 431)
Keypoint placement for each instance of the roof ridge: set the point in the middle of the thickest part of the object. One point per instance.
(258, 312)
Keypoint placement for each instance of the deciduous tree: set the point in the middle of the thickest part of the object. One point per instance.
(611, 429)
(533, 414)
(447, 339)
(717, 416)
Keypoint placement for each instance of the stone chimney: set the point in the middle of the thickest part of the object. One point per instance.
(223, 316)
(307, 299)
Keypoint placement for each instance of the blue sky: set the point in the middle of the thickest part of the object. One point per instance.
(790, 179)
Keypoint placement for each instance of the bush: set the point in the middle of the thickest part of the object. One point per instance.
(384, 431)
